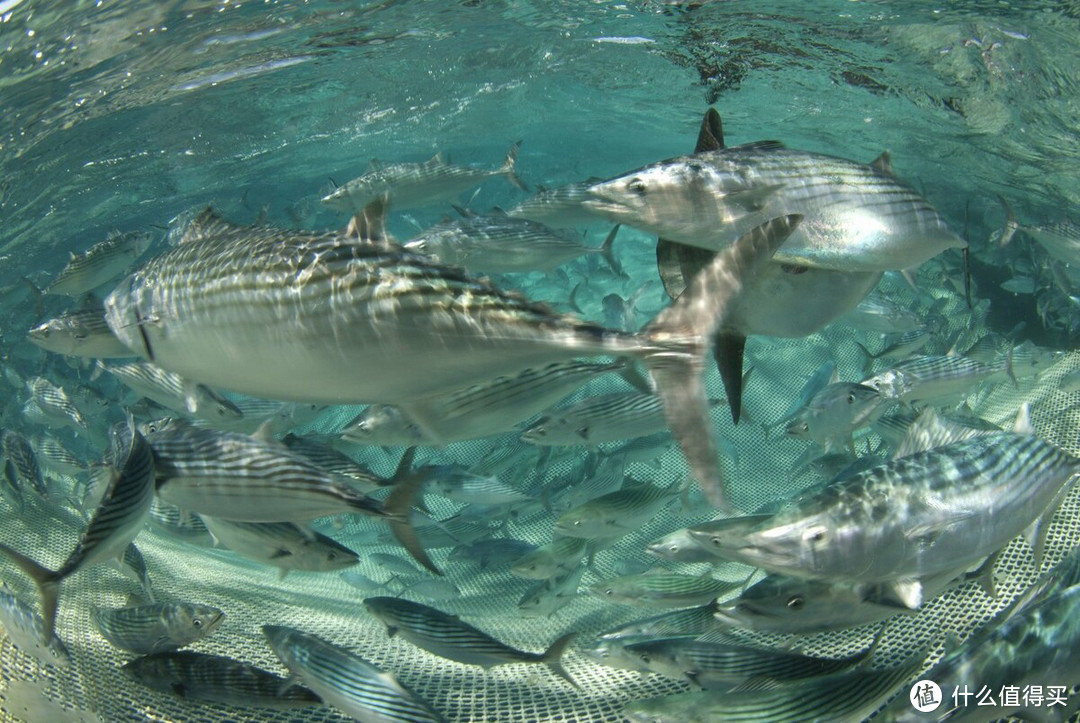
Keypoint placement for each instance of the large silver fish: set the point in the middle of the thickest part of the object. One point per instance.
(119, 516)
(341, 319)
(858, 217)
(345, 680)
(416, 184)
(913, 517)
(787, 299)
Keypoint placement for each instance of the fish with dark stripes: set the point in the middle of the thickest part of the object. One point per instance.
(448, 637)
(157, 627)
(79, 333)
(99, 264)
(115, 522)
(246, 478)
(217, 679)
(341, 318)
(346, 681)
(912, 518)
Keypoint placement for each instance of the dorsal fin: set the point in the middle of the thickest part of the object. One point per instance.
(1022, 425)
(436, 160)
(206, 224)
(462, 211)
(711, 135)
(883, 163)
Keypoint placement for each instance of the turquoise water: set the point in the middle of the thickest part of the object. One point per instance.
(117, 116)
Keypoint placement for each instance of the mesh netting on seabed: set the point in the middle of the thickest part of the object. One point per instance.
(94, 688)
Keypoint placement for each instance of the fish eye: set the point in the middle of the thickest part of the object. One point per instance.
(577, 523)
(795, 602)
(851, 398)
(196, 622)
(608, 592)
(815, 535)
(636, 186)
(645, 659)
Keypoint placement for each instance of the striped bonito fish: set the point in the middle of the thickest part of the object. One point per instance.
(256, 479)
(911, 518)
(409, 185)
(561, 207)
(172, 391)
(343, 319)
(55, 456)
(936, 378)
(347, 681)
(55, 404)
(662, 590)
(335, 462)
(115, 522)
(499, 244)
(688, 622)
(848, 696)
(448, 637)
(217, 679)
(79, 333)
(485, 409)
(857, 217)
(20, 463)
(598, 419)
(551, 559)
(618, 513)
(724, 665)
(157, 627)
(284, 545)
(99, 264)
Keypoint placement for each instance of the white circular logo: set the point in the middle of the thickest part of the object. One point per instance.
(925, 696)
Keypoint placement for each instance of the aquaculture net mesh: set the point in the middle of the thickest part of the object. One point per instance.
(94, 687)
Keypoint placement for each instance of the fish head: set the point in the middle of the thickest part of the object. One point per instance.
(584, 521)
(799, 427)
(325, 555)
(780, 602)
(890, 384)
(615, 655)
(679, 546)
(800, 543)
(194, 622)
(57, 336)
(537, 565)
(680, 200)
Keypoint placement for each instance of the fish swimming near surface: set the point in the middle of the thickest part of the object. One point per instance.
(409, 185)
(99, 264)
(310, 312)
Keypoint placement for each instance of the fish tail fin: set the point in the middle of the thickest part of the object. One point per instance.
(866, 359)
(48, 585)
(693, 318)
(508, 167)
(552, 657)
(398, 506)
(608, 254)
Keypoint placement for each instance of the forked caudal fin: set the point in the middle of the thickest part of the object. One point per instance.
(398, 506)
(552, 657)
(48, 584)
(694, 317)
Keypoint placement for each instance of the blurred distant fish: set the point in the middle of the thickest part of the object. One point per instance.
(686, 622)
(79, 333)
(1061, 239)
(498, 552)
(496, 243)
(1070, 382)
(598, 419)
(382, 424)
(618, 513)
(662, 590)
(157, 627)
(55, 404)
(937, 378)
(835, 412)
(560, 207)
(20, 463)
(99, 264)
(217, 679)
(880, 313)
(345, 680)
(551, 559)
(547, 597)
(410, 185)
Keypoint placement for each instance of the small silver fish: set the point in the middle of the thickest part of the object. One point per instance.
(547, 597)
(551, 559)
(26, 629)
(284, 545)
(99, 264)
(664, 590)
(172, 391)
(82, 333)
(618, 513)
(560, 207)
(410, 185)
